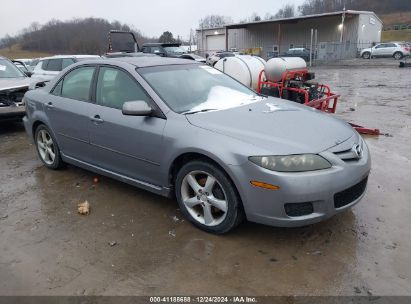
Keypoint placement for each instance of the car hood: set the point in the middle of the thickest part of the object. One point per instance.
(280, 127)
(14, 83)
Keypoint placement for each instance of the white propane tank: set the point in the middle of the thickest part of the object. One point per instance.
(244, 68)
(275, 67)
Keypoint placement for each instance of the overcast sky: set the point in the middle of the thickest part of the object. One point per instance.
(151, 17)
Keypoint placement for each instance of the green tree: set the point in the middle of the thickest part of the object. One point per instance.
(166, 37)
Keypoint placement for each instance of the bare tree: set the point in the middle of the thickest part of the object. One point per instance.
(310, 7)
(255, 17)
(75, 36)
(286, 11)
(212, 21)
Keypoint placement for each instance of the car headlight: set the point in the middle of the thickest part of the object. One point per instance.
(291, 163)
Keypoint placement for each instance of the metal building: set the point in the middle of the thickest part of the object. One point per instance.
(332, 35)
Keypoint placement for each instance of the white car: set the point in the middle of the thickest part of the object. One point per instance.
(27, 62)
(212, 59)
(388, 49)
(49, 67)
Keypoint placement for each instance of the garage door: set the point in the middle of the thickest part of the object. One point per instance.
(215, 43)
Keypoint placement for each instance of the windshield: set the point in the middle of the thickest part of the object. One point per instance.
(174, 50)
(9, 70)
(194, 87)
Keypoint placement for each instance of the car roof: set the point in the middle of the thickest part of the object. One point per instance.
(70, 56)
(141, 62)
(161, 44)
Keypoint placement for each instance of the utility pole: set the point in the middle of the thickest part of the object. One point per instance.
(311, 46)
(315, 44)
(342, 23)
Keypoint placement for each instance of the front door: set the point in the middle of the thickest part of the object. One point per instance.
(128, 145)
(69, 109)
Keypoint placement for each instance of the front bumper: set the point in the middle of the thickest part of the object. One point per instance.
(319, 188)
(12, 112)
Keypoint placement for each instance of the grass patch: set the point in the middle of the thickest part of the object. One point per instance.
(16, 52)
(401, 35)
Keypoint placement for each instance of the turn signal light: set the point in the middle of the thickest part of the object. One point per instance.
(264, 185)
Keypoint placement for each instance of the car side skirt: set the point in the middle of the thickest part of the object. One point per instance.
(163, 191)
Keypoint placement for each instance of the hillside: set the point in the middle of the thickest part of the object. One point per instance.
(396, 18)
(77, 36)
(403, 35)
(389, 20)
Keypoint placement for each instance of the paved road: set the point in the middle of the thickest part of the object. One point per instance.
(47, 248)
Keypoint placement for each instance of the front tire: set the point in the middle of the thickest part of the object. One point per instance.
(208, 198)
(397, 55)
(366, 55)
(47, 148)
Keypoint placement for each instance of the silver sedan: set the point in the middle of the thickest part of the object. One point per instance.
(183, 129)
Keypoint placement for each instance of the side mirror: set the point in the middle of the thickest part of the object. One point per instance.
(28, 73)
(137, 108)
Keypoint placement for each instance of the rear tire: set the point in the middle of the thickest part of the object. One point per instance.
(47, 148)
(366, 55)
(208, 198)
(398, 55)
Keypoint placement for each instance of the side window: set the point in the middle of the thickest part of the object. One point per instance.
(66, 62)
(146, 49)
(44, 64)
(114, 87)
(155, 49)
(77, 83)
(54, 65)
(57, 89)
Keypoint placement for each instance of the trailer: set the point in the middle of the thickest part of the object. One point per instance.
(298, 85)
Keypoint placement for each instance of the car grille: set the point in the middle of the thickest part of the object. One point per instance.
(298, 209)
(347, 155)
(349, 195)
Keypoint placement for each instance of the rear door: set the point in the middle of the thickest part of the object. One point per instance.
(69, 110)
(390, 49)
(127, 145)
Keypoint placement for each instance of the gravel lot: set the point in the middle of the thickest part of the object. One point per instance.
(46, 248)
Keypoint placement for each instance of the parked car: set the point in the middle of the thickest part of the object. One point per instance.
(183, 129)
(390, 49)
(47, 68)
(298, 52)
(164, 49)
(23, 67)
(195, 57)
(28, 63)
(13, 85)
(212, 59)
(170, 50)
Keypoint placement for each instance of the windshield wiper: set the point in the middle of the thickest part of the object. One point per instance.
(199, 111)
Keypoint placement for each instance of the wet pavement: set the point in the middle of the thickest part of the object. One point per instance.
(46, 248)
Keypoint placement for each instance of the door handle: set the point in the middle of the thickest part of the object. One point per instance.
(49, 105)
(97, 119)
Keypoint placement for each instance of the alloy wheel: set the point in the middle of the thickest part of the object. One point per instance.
(46, 147)
(204, 198)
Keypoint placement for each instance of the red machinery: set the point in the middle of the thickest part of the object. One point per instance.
(297, 85)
